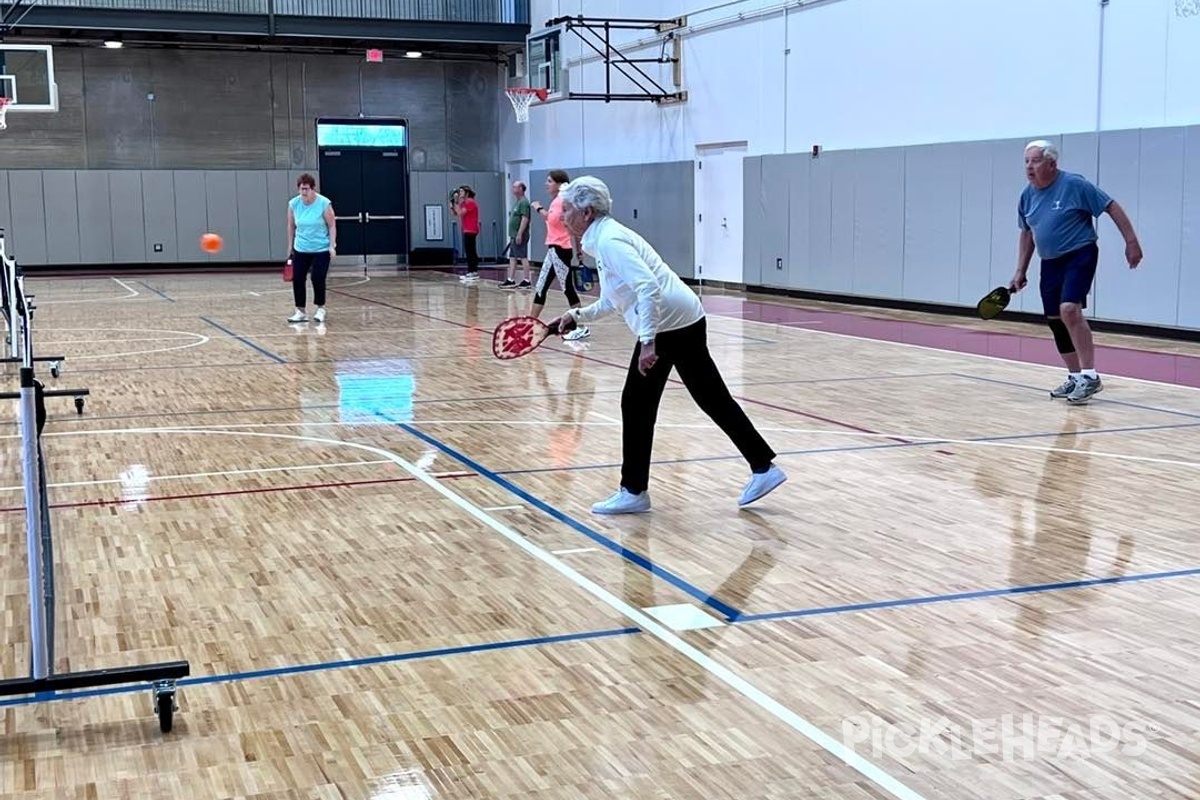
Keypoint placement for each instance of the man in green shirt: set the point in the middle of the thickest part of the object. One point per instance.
(518, 237)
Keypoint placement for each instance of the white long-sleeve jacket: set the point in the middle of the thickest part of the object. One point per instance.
(635, 281)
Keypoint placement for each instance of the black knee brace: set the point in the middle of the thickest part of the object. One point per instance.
(1062, 336)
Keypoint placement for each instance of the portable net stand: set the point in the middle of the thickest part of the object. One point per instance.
(522, 98)
(31, 415)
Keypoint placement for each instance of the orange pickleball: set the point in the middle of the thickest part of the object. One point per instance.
(211, 243)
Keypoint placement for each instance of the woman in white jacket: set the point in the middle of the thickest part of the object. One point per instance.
(671, 327)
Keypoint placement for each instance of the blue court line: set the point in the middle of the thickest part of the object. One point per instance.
(1097, 399)
(742, 336)
(244, 341)
(640, 560)
(983, 593)
(739, 619)
(480, 399)
(158, 292)
(298, 669)
(847, 379)
(862, 447)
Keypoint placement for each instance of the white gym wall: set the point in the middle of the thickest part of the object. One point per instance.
(856, 74)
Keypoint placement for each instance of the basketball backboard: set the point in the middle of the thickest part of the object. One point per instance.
(27, 77)
(607, 59)
(545, 67)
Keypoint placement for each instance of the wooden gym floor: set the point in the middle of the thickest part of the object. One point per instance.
(373, 543)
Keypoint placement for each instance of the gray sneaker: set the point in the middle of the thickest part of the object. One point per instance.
(1065, 389)
(1085, 387)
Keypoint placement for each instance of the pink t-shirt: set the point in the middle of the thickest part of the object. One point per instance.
(556, 231)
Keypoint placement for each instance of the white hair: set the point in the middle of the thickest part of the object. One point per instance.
(587, 192)
(1047, 148)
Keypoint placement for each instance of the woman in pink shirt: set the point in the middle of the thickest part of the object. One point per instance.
(467, 211)
(560, 251)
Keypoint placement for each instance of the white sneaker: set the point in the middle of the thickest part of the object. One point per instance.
(299, 316)
(762, 484)
(577, 334)
(319, 316)
(623, 502)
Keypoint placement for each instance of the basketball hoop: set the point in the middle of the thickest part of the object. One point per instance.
(4, 101)
(522, 98)
(1187, 8)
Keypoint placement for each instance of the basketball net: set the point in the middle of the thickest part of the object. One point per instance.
(4, 101)
(521, 98)
(1187, 8)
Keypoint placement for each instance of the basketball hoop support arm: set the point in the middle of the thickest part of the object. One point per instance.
(599, 28)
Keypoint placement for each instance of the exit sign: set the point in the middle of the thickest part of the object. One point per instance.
(375, 56)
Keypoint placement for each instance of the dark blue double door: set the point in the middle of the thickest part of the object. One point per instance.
(369, 191)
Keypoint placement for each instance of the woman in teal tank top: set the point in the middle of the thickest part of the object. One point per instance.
(312, 236)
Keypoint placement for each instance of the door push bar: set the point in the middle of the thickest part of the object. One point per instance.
(365, 216)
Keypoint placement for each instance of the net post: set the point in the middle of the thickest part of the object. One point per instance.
(10, 299)
(38, 643)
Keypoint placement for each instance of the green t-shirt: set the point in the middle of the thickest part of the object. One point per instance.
(521, 209)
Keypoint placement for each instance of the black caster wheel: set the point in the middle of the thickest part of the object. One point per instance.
(78, 405)
(164, 705)
(55, 369)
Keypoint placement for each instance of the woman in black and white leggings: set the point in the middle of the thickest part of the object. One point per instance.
(559, 253)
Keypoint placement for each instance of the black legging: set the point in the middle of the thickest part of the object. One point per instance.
(472, 252)
(302, 264)
(685, 349)
(567, 255)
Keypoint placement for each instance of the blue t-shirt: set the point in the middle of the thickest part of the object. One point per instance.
(1060, 215)
(312, 232)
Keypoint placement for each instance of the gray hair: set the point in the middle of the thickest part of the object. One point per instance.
(1048, 149)
(587, 192)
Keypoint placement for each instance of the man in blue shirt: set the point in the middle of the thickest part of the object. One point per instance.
(1055, 215)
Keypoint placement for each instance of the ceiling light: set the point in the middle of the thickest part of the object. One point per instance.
(114, 45)
(413, 54)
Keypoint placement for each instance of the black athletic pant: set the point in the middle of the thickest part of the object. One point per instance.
(302, 265)
(472, 252)
(686, 350)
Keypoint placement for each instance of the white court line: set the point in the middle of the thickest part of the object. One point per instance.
(606, 418)
(504, 508)
(225, 474)
(572, 550)
(195, 340)
(127, 287)
(183, 295)
(189, 337)
(132, 294)
(680, 426)
(1009, 361)
(367, 332)
(644, 621)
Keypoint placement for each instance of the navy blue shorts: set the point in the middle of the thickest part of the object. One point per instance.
(1068, 278)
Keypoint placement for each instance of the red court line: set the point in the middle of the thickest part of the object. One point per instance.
(1133, 362)
(764, 403)
(817, 417)
(232, 492)
(405, 310)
